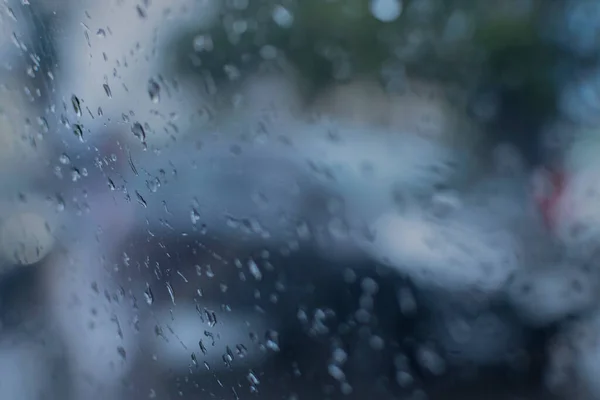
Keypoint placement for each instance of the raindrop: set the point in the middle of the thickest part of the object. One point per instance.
(140, 199)
(122, 353)
(43, 123)
(171, 293)
(282, 16)
(153, 185)
(254, 270)
(78, 131)
(336, 372)
(138, 131)
(11, 13)
(76, 105)
(75, 175)
(195, 216)
(154, 91)
(228, 357)
(431, 361)
(101, 33)
(376, 342)
(141, 12)
(339, 356)
(211, 317)
(60, 203)
(203, 43)
(369, 286)
(202, 347)
(303, 231)
(233, 73)
(107, 90)
(64, 159)
(241, 350)
(252, 378)
(209, 272)
(148, 295)
(272, 340)
(386, 10)
(404, 379)
(345, 388)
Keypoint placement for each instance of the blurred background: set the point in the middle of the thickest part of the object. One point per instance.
(285, 199)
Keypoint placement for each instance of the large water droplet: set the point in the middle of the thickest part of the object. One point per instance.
(148, 295)
(64, 159)
(78, 131)
(76, 105)
(282, 16)
(195, 216)
(386, 10)
(272, 340)
(138, 131)
(107, 90)
(154, 91)
(254, 270)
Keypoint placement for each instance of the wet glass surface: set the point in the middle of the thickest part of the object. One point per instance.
(285, 199)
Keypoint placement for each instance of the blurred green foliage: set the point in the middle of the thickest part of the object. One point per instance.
(470, 42)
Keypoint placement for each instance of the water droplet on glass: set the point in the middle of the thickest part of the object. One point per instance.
(345, 388)
(203, 43)
(241, 350)
(336, 372)
(153, 185)
(138, 131)
(122, 353)
(64, 159)
(386, 10)
(339, 356)
(76, 105)
(154, 91)
(195, 216)
(11, 13)
(376, 342)
(60, 203)
(101, 33)
(211, 317)
(107, 90)
(75, 175)
(148, 295)
(252, 378)
(272, 340)
(254, 270)
(171, 293)
(78, 131)
(141, 12)
(369, 286)
(202, 347)
(233, 73)
(140, 199)
(282, 16)
(431, 361)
